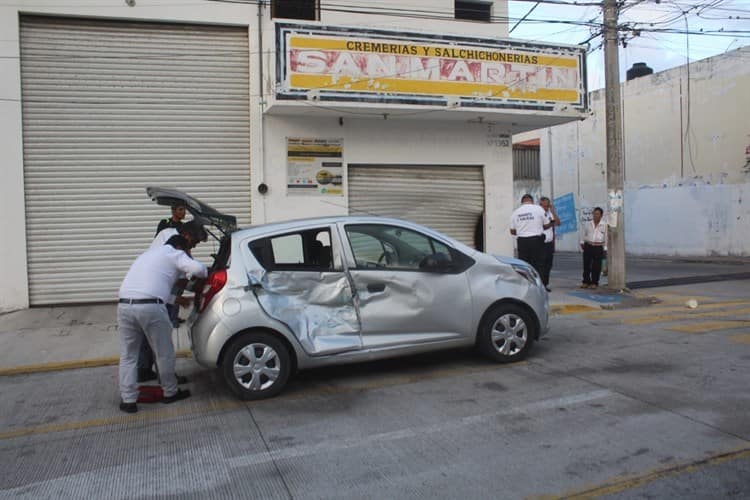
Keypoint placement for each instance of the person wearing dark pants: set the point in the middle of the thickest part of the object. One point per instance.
(527, 225)
(593, 244)
(548, 251)
(530, 249)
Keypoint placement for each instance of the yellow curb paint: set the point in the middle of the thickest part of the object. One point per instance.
(740, 339)
(650, 311)
(687, 314)
(72, 365)
(708, 326)
(624, 483)
(144, 416)
(572, 309)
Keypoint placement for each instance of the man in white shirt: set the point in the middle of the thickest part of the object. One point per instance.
(527, 225)
(142, 316)
(548, 252)
(194, 233)
(593, 244)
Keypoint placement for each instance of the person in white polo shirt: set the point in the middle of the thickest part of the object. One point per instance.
(548, 249)
(527, 225)
(142, 316)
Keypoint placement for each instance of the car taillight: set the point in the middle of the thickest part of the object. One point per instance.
(214, 283)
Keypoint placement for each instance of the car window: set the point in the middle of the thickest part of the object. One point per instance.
(288, 249)
(393, 247)
(308, 250)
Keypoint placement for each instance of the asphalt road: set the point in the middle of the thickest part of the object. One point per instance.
(635, 403)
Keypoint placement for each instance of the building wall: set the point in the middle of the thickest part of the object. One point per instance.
(686, 180)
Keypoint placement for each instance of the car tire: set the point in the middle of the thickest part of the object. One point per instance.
(507, 333)
(256, 365)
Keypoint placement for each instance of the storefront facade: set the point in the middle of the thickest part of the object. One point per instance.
(336, 116)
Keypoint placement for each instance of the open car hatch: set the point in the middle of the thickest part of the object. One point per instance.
(204, 213)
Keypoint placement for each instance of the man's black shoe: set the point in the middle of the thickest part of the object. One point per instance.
(146, 375)
(177, 396)
(128, 407)
(181, 379)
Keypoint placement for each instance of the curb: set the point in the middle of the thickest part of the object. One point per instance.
(72, 365)
(572, 309)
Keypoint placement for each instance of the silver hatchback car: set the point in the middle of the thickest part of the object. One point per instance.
(307, 293)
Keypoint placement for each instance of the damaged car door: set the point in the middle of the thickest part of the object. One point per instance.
(301, 282)
(410, 288)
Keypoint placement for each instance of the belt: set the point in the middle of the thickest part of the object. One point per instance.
(527, 237)
(595, 244)
(141, 301)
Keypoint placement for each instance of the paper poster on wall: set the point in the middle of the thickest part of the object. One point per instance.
(314, 166)
(566, 211)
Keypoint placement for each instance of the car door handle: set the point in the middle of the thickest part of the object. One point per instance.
(376, 287)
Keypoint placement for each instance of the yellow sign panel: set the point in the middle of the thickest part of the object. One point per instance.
(395, 67)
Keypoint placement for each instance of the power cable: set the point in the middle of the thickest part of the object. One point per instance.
(523, 18)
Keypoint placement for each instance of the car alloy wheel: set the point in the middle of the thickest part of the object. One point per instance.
(256, 366)
(507, 333)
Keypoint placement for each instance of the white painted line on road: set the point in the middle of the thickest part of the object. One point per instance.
(326, 447)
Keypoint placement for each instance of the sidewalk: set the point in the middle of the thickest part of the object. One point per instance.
(54, 338)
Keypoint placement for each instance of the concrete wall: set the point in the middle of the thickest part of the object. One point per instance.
(684, 154)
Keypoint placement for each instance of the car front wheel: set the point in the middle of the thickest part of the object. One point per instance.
(507, 333)
(256, 366)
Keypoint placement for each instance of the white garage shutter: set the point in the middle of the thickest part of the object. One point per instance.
(111, 107)
(448, 199)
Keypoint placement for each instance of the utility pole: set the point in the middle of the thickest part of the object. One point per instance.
(615, 177)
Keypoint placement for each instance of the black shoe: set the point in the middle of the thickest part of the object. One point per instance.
(548, 288)
(177, 396)
(181, 379)
(146, 375)
(128, 407)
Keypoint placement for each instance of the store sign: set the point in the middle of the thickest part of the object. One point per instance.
(314, 166)
(328, 63)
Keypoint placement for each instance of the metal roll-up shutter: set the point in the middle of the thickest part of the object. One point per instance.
(110, 107)
(448, 199)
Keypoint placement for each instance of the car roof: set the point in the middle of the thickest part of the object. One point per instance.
(263, 229)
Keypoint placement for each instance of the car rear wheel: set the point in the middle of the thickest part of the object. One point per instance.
(256, 366)
(507, 333)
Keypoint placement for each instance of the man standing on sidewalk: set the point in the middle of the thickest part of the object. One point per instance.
(593, 244)
(548, 253)
(142, 317)
(527, 224)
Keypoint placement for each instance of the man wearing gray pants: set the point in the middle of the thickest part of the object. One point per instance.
(142, 317)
